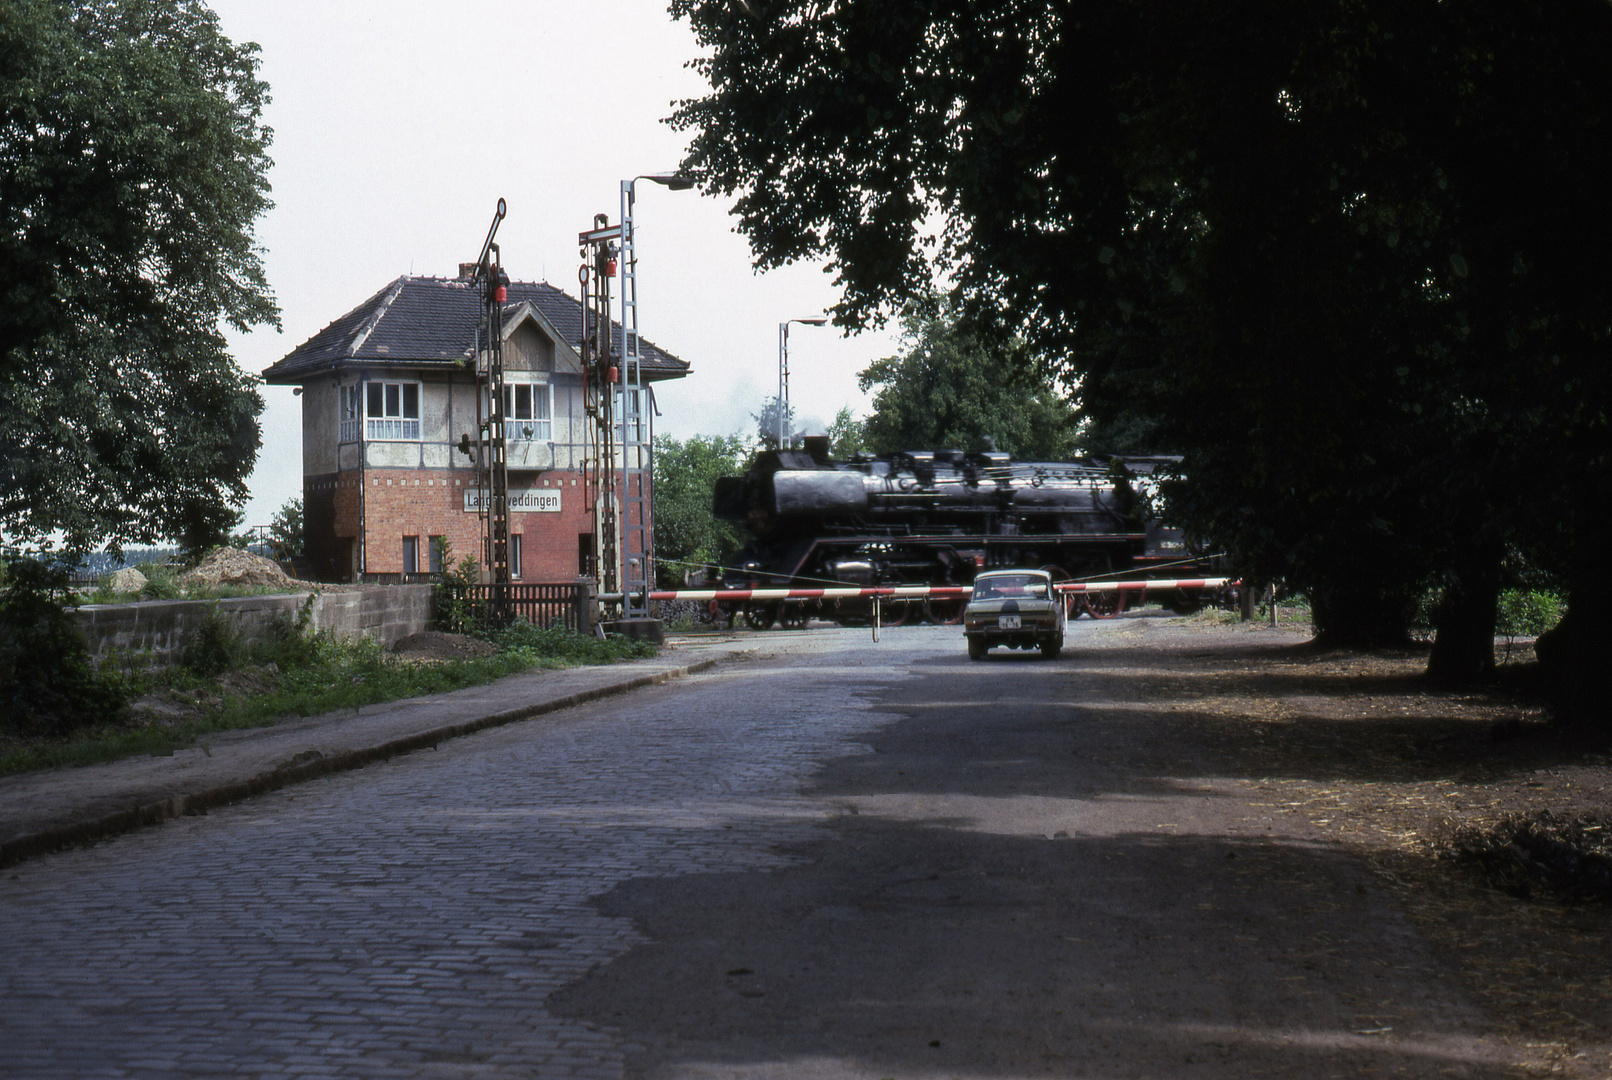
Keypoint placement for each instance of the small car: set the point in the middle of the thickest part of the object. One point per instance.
(1015, 608)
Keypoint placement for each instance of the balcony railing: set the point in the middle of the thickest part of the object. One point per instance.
(392, 429)
(528, 430)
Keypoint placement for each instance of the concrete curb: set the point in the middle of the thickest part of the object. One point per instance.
(313, 765)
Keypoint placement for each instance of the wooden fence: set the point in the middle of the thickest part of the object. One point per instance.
(539, 603)
(394, 578)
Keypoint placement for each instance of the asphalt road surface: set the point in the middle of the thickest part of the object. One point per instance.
(846, 860)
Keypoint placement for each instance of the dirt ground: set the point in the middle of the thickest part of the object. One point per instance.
(1411, 775)
(435, 646)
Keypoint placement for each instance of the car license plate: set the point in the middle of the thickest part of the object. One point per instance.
(1007, 622)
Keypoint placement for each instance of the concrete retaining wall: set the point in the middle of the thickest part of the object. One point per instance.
(163, 629)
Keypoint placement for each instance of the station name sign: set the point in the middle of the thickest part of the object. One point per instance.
(521, 500)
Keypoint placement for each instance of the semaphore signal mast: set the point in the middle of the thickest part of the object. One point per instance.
(492, 463)
(601, 374)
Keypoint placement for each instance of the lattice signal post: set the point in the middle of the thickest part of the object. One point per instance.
(637, 444)
(624, 437)
(492, 462)
(600, 378)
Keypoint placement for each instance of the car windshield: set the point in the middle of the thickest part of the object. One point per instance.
(1005, 586)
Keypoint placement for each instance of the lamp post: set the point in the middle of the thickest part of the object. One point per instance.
(637, 450)
(783, 376)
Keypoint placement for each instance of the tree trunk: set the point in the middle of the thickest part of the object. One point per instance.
(1574, 658)
(1463, 643)
(1350, 616)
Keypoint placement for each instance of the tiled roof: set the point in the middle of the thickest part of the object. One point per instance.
(431, 322)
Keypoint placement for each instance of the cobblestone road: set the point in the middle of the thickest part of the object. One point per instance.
(840, 862)
(409, 919)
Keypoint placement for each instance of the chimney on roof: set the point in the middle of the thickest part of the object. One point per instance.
(467, 271)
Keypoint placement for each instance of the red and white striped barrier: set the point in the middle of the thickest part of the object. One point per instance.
(919, 592)
(1145, 585)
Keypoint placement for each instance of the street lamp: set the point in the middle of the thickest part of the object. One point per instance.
(637, 451)
(671, 180)
(783, 376)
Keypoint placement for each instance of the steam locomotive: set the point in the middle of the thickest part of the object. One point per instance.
(938, 517)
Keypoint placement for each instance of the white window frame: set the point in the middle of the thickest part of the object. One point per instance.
(349, 411)
(630, 415)
(390, 425)
(514, 555)
(540, 423)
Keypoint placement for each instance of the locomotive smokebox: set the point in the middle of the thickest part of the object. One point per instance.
(820, 493)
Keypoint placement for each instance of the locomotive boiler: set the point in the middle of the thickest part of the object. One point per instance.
(934, 517)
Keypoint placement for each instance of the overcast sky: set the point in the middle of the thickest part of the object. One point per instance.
(398, 126)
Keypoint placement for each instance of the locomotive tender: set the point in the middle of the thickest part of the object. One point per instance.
(936, 517)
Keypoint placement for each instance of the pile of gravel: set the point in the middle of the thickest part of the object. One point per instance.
(127, 579)
(232, 566)
(435, 645)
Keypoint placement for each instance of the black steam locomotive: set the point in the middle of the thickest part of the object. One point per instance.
(937, 518)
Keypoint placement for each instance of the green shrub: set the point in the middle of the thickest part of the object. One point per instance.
(161, 585)
(287, 643)
(457, 613)
(1528, 612)
(1424, 618)
(217, 646)
(558, 643)
(1521, 612)
(48, 683)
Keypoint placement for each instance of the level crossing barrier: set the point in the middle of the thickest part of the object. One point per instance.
(920, 592)
(880, 593)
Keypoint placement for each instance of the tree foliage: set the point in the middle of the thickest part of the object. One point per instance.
(1351, 255)
(48, 684)
(847, 436)
(947, 389)
(133, 162)
(687, 535)
(767, 421)
(287, 534)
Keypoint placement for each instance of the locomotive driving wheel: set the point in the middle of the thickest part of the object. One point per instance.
(794, 616)
(1103, 605)
(896, 612)
(944, 612)
(760, 615)
(720, 615)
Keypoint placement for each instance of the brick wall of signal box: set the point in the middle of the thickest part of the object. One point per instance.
(430, 502)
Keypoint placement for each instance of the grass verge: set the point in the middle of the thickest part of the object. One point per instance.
(227, 686)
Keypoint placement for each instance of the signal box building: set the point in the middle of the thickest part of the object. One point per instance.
(389, 393)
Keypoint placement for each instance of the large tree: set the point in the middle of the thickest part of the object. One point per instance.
(687, 534)
(1351, 253)
(947, 389)
(133, 162)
